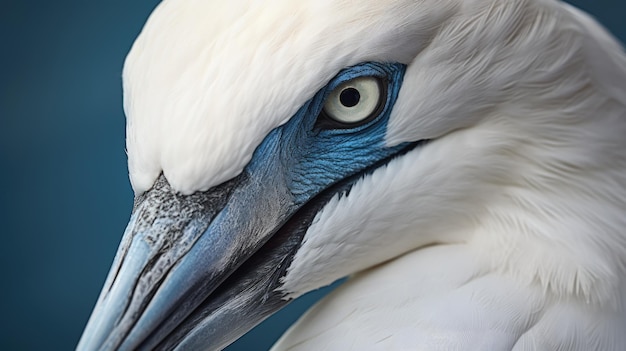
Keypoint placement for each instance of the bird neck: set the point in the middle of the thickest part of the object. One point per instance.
(558, 220)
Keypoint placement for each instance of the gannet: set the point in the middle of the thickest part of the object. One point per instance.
(463, 162)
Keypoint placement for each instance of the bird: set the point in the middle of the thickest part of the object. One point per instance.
(461, 162)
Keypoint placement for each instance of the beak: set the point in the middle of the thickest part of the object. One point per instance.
(185, 270)
(198, 271)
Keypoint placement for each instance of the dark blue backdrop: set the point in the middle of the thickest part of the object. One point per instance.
(65, 197)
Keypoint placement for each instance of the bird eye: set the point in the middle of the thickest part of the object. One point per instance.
(355, 101)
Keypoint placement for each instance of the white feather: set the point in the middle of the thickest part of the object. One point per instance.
(201, 91)
(442, 298)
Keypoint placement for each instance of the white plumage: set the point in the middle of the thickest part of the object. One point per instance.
(205, 82)
(505, 232)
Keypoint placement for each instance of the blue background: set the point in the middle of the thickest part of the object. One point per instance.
(64, 195)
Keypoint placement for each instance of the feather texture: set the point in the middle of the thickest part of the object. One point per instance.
(201, 91)
(456, 304)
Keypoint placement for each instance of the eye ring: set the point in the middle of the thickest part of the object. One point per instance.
(354, 102)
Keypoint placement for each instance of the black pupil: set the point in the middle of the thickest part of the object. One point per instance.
(349, 97)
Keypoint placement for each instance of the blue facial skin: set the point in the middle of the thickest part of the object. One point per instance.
(315, 156)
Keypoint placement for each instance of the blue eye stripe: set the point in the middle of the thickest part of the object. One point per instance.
(311, 158)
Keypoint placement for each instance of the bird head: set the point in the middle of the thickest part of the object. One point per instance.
(277, 146)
